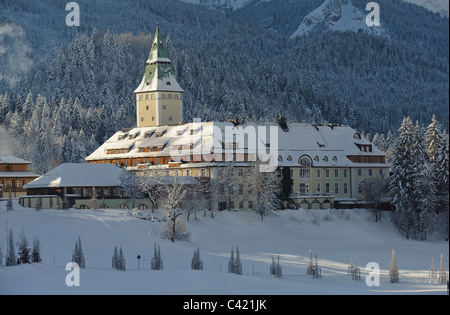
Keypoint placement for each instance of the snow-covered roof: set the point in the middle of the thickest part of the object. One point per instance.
(79, 175)
(326, 145)
(9, 159)
(167, 83)
(158, 74)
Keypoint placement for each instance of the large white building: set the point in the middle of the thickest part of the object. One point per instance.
(326, 162)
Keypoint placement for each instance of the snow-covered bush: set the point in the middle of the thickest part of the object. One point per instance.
(179, 232)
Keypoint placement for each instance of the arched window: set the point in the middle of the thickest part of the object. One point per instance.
(280, 158)
(325, 158)
(289, 158)
(357, 136)
(305, 166)
(316, 158)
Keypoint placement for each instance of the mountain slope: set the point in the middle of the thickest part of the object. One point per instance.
(438, 6)
(337, 15)
(220, 4)
(229, 64)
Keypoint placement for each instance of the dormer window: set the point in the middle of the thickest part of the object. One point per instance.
(148, 134)
(134, 136)
(161, 133)
(121, 137)
(168, 83)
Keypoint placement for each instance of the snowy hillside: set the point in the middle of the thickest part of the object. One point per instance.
(334, 235)
(220, 4)
(337, 15)
(438, 6)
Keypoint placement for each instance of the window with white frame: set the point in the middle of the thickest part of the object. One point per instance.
(303, 188)
(305, 167)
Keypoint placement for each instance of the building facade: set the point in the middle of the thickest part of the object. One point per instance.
(14, 174)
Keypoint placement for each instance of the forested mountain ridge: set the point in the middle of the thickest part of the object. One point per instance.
(228, 64)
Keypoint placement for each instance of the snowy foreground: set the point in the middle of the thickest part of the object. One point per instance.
(334, 235)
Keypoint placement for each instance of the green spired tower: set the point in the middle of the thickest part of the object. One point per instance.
(158, 96)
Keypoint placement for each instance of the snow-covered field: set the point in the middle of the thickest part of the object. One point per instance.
(334, 235)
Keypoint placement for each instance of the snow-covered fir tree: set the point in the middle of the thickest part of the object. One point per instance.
(442, 180)
(433, 140)
(197, 263)
(234, 264)
(393, 269)
(309, 268)
(115, 258)
(11, 258)
(432, 272)
(24, 250)
(36, 252)
(442, 272)
(401, 187)
(412, 185)
(424, 197)
(275, 268)
(121, 265)
(157, 263)
(78, 255)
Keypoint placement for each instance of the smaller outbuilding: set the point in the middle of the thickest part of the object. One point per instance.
(14, 174)
(78, 185)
